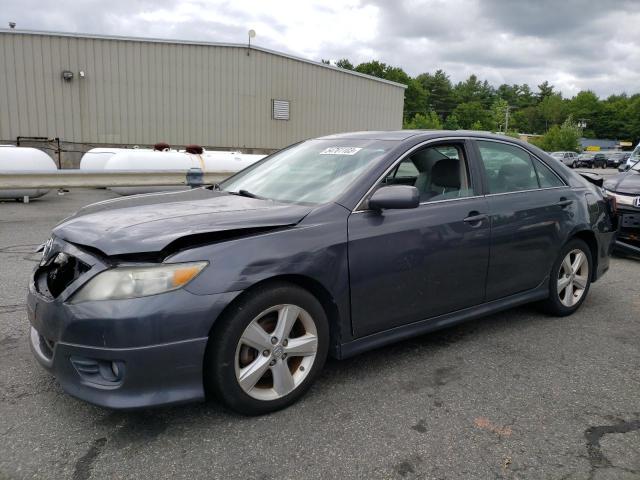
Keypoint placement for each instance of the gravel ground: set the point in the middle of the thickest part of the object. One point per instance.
(514, 395)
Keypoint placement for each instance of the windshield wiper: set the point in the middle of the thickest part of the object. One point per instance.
(247, 193)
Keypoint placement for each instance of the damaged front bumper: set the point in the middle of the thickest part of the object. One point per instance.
(628, 237)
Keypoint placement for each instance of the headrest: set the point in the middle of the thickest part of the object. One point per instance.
(446, 173)
(515, 174)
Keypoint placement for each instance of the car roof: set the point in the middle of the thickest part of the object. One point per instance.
(375, 135)
(400, 135)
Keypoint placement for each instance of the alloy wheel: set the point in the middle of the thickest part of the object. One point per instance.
(276, 352)
(573, 277)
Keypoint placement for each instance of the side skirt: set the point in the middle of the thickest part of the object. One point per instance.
(376, 340)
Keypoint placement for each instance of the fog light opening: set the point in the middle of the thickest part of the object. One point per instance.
(115, 369)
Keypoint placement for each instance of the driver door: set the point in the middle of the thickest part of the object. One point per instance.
(415, 264)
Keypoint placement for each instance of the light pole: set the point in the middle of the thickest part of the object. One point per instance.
(252, 34)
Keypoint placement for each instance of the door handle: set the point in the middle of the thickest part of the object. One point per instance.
(564, 202)
(475, 219)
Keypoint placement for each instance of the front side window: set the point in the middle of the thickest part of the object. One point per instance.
(507, 168)
(313, 172)
(439, 172)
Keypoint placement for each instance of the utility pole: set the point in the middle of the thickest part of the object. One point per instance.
(506, 119)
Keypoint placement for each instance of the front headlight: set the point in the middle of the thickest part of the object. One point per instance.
(620, 199)
(132, 282)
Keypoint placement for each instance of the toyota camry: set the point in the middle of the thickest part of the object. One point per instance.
(332, 246)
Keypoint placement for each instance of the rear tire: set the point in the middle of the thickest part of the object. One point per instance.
(570, 279)
(252, 371)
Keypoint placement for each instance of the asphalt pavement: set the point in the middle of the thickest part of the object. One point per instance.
(514, 395)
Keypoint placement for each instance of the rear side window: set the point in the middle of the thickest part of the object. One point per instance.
(547, 178)
(507, 168)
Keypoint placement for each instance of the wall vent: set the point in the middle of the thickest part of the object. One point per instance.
(280, 109)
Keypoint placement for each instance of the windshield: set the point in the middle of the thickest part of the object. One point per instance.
(315, 171)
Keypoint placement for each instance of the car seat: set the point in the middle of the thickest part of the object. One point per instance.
(444, 181)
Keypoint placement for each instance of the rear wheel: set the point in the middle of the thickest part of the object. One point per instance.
(267, 350)
(570, 279)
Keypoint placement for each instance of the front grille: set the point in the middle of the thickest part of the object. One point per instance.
(58, 273)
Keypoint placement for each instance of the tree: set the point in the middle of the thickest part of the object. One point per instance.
(632, 113)
(525, 97)
(564, 137)
(545, 90)
(430, 121)
(499, 114)
(344, 63)
(585, 106)
(509, 93)
(527, 120)
(552, 109)
(452, 122)
(472, 113)
(473, 90)
(439, 92)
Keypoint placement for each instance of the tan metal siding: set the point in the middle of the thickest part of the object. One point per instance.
(141, 92)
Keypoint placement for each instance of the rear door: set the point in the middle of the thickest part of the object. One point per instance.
(414, 264)
(530, 207)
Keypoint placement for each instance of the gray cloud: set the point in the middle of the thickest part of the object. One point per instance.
(574, 44)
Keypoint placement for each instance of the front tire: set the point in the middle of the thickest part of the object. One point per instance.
(267, 349)
(570, 279)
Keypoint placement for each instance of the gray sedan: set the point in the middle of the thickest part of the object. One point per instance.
(332, 246)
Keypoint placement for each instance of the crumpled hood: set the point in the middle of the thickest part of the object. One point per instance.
(149, 223)
(627, 182)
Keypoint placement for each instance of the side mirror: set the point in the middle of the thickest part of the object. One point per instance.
(394, 197)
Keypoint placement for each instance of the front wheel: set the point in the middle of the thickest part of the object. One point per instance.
(570, 279)
(573, 165)
(267, 349)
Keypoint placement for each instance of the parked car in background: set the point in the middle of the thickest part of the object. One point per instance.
(585, 159)
(332, 246)
(614, 159)
(568, 158)
(624, 188)
(599, 160)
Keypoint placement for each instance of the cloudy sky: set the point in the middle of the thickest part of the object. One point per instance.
(574, 44)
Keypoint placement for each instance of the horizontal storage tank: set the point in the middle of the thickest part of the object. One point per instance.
(231, 162)
(24, 159)
(96, 158)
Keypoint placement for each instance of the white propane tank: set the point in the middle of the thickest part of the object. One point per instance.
(23, 159)
(96, 158)
(231, 162)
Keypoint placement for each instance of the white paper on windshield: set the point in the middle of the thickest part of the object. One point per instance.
(340, 151)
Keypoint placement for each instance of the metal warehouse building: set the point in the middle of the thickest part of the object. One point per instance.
(96, 90)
